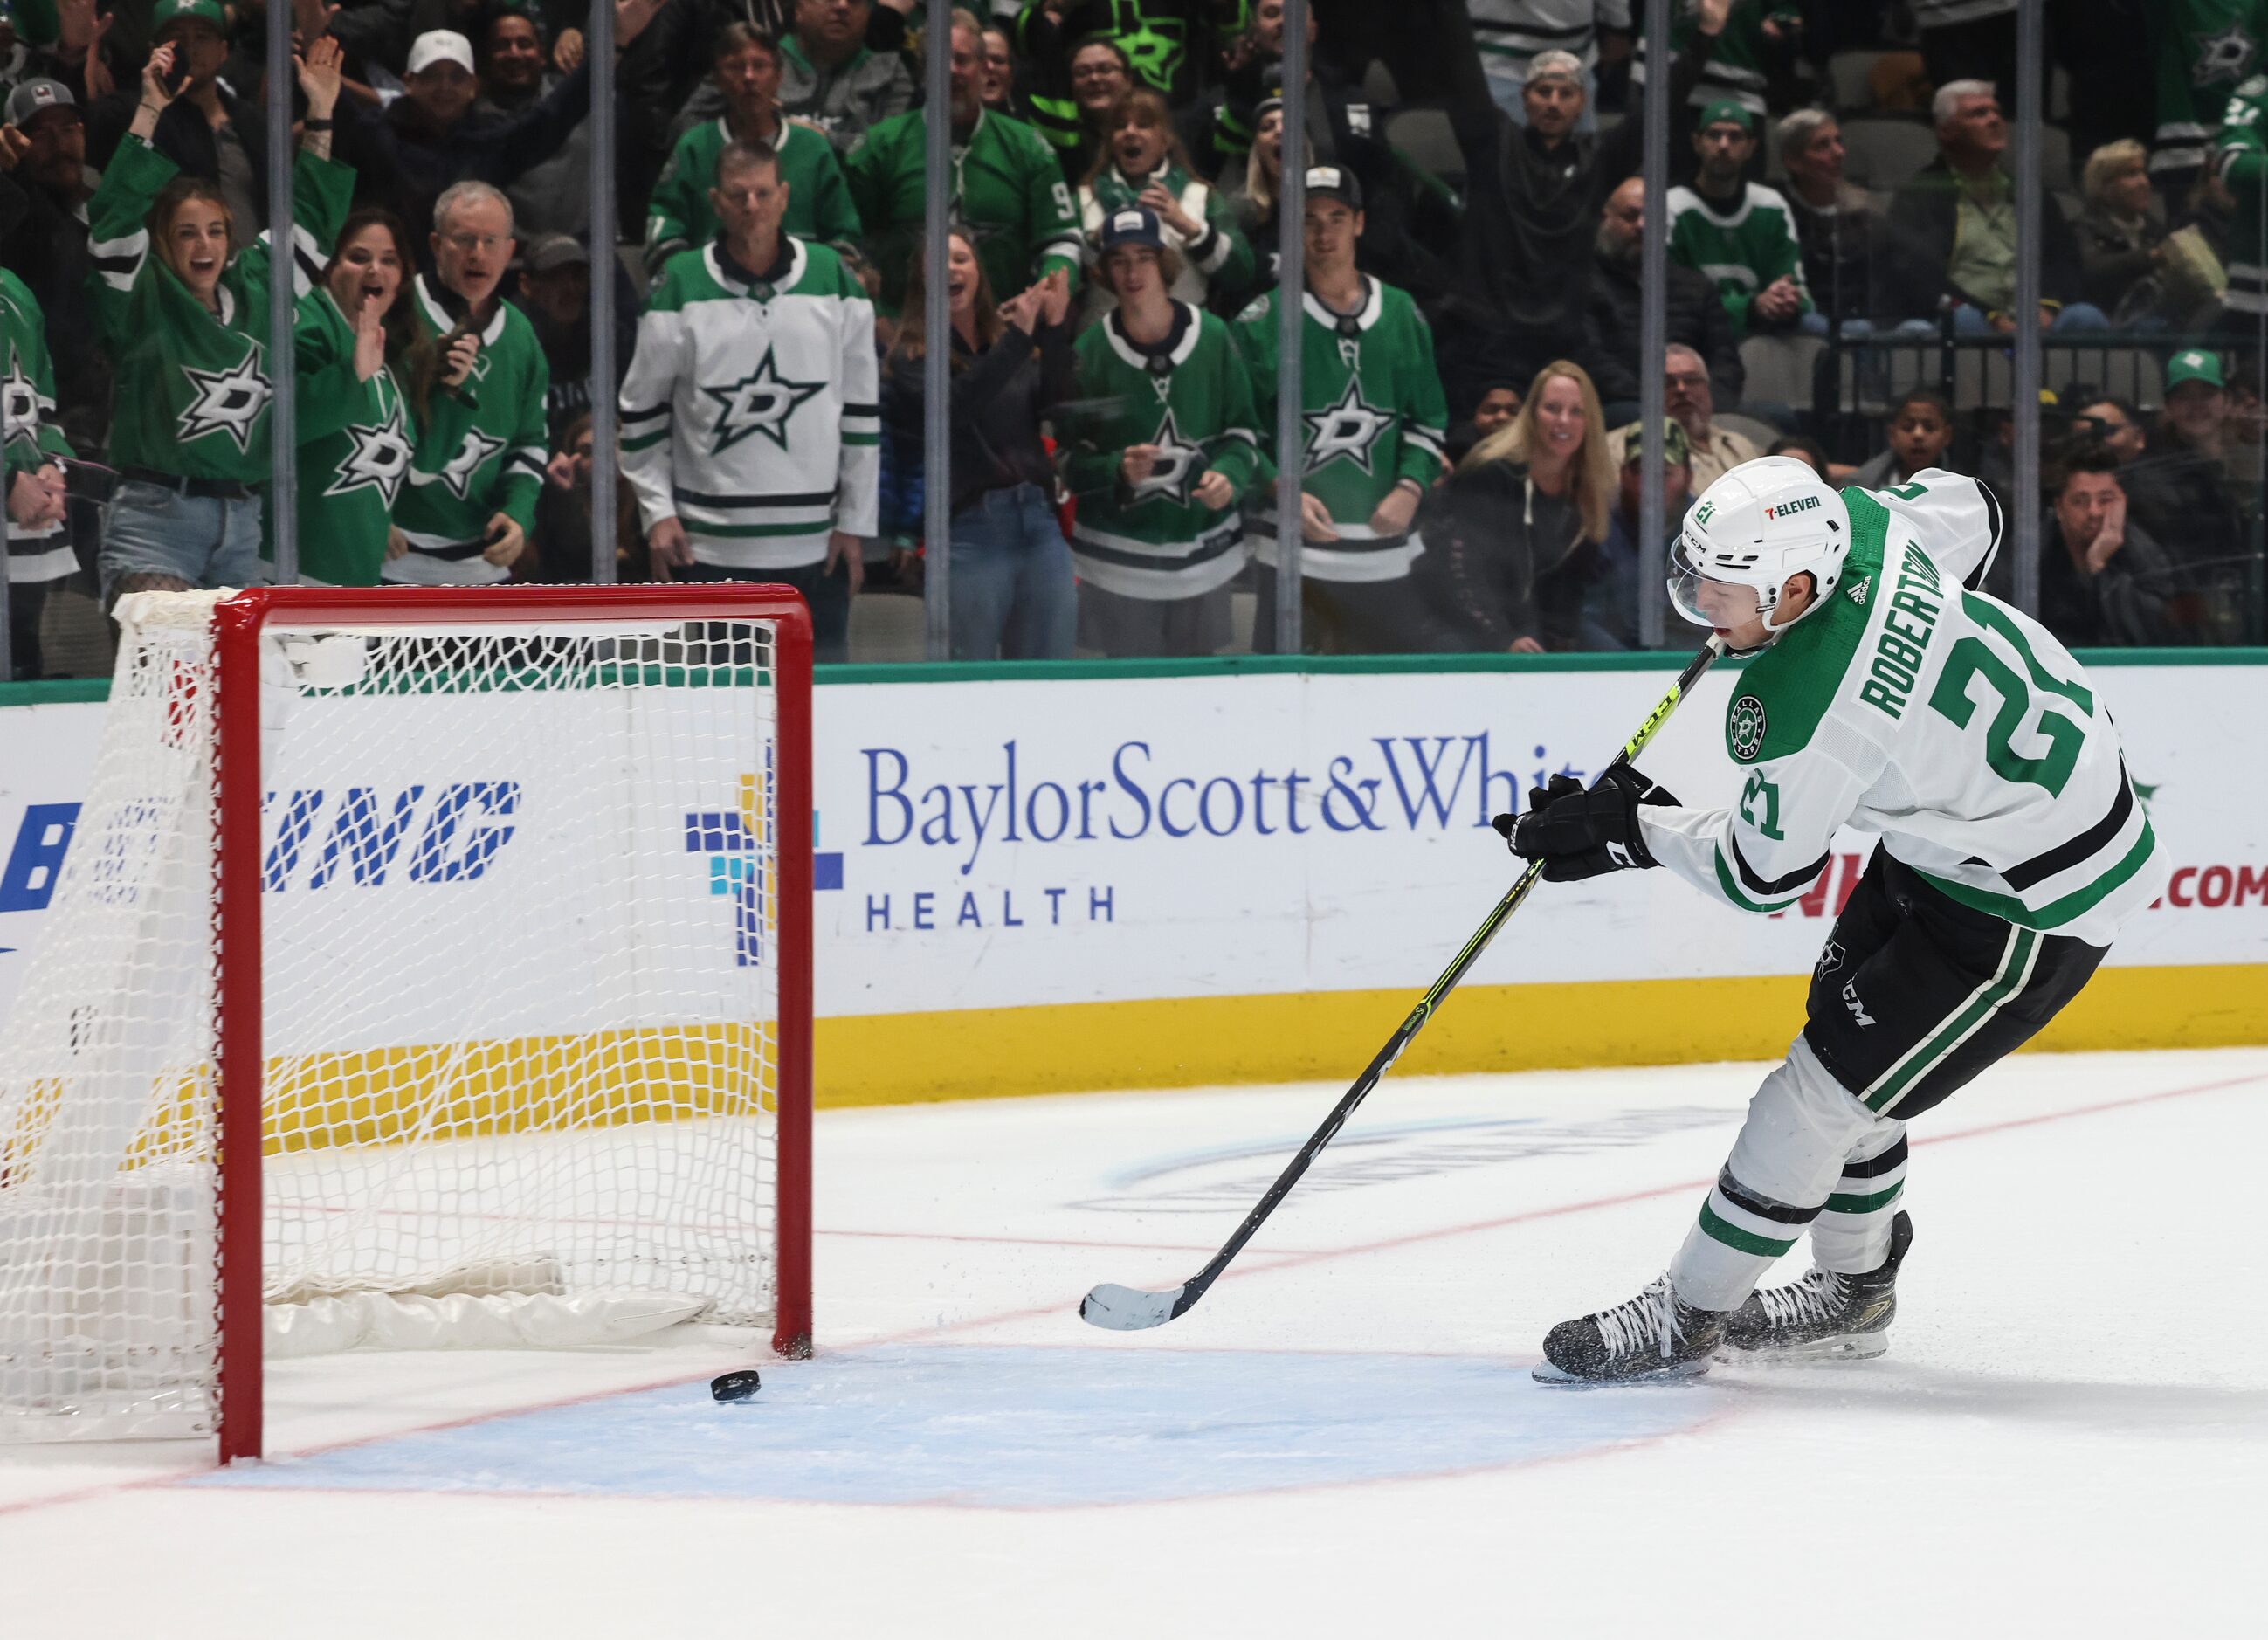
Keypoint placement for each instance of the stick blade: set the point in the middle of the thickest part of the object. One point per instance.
(1129, 1309)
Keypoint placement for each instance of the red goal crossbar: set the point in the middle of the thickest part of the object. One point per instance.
(239, 622)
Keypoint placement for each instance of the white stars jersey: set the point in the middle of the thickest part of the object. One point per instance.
(749, 412)
(1940, 718)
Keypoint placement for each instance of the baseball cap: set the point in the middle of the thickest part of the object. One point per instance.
(556, 250)
(2194, 365)
(1726, 111)
(1555, 65)
(441, 45)
(1134, 226)
(170, 12)
(1335, 182)
(33, 96)
(1676, 448)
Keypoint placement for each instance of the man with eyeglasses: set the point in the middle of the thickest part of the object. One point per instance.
(464, 516)
(1716, 451)
(1075, 84)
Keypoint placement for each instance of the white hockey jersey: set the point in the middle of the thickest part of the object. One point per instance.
(749, 411)
(1951, 724)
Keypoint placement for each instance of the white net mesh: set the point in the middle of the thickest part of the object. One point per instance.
(520, 997)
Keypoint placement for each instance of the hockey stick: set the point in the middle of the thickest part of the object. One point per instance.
(1130, 1309)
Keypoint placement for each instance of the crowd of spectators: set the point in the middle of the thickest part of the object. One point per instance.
(1843, 259)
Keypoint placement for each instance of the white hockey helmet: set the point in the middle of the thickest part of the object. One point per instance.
(1758, 526)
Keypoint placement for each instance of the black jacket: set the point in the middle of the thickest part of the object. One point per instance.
(1924, 218)
(48, 253)
(1696, 317)
(1856, 267)
(1501, 565)
(405, 164)
(999, 398)
(2124, 603)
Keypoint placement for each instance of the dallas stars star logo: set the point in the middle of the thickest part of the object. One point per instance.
(761, 401)
(378, 458)
(20, 401)
(228, 402)
(476, 449)
(2223, 57)
(1349, 428)
(1177, 467)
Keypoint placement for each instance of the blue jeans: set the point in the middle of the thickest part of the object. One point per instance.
(1011, 579)
(1967, 322)
(1815, 324)
(150, 530)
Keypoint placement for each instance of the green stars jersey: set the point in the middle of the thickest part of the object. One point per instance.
(2241, 158)
(27, 423)
(1737, 69)
(1008, 192)
(2205, 50)
(1192, 399)
(191, 388)
(818, 199)
(480, 451)
(1741, 251)
(1374, 415)
(749, 413)
(1951, 724)
(1219, 260)
(355, 450)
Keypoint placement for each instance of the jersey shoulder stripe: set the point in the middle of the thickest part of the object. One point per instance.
(1781, 698)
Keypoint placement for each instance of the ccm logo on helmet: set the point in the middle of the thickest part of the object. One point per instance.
(1789, 509)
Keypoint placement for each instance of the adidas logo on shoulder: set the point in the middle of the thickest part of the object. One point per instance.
(1857, 593)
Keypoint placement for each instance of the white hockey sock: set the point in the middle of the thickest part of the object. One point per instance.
(1851, 1234)
(1800, 1126)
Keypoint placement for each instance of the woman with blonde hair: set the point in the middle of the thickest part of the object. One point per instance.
(2123, 231)
(1520, 524)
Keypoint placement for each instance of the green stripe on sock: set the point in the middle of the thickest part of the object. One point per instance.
(1864, 1203)
(1734, 1236)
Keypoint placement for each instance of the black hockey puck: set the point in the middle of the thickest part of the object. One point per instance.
(735, 1385)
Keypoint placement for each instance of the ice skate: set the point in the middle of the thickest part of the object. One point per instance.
(1654, 1336)
(1824, 1316)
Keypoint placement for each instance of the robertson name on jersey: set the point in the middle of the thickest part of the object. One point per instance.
(1954, 726)
(749, 411)
(192, 385)
(1374, 415)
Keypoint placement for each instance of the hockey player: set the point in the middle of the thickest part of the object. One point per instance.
(1374, 421)
(1007, 189)
(750, 427)
(1736, 231)
(39, 551)
(463, 518)
(1159, 464)
(818, 199)
(1887, 695)
(185, 322)
(355, 342)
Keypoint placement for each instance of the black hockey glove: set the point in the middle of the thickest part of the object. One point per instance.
(1577, 832)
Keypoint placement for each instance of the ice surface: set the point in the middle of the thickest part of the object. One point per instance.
(2069, 1435)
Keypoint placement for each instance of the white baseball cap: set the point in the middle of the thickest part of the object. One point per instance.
(441, 45)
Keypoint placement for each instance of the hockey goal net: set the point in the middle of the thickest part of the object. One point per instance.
(428, 967)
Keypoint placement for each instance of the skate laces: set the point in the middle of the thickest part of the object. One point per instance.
(1814, 1299)
(1648, 1320)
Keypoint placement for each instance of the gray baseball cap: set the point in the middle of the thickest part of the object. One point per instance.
(32, 96)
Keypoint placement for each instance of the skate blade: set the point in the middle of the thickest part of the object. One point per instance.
(1849, 1347)
(1683, 1372)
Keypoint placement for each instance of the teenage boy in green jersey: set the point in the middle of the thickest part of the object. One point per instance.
(1373, 423)
(1008, 192)
(464, 517)
(819, 200)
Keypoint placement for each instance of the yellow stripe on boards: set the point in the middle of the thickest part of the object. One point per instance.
(1329, 1036)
